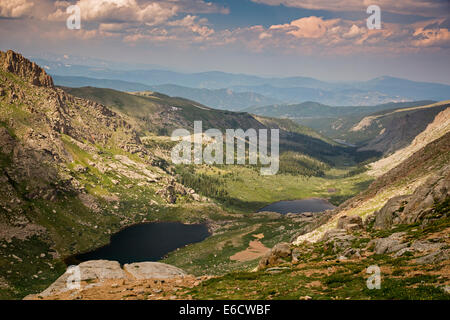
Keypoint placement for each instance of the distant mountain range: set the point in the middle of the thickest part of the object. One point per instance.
(226, 99)
(237, 91)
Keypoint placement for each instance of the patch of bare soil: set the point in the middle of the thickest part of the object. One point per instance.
(254, 251)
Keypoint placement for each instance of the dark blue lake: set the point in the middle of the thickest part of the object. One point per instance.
(298, 206)
(145, 242)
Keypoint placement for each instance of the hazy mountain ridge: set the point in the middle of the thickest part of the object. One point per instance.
(217, 98)
(290, 89)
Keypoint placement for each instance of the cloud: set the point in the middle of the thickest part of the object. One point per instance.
(353, 32)
(15, 8)
(316, 35)
(174, 23)
(310, 27)
(149, 12)
(191, 23)
(416, 7)
(434, 34)
(119, 11)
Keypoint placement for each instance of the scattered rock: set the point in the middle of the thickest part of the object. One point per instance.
(435, 257)
(350, 223)
(278, 254)
(339, 239)
(391, 244)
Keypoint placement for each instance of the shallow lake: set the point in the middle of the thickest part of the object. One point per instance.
(145, 242)
(298, 206)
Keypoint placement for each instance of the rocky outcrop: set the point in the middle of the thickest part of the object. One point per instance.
(173, 190)
(340, 240)
(280, 253)
(435, 190)
(389, 214)
(350, 223)
(94, 272)
(391, 244)
(434, 257)
(15, 63)
(416, 207)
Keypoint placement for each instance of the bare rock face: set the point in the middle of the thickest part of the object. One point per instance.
(96, 271)
(153, 270)
(417, 206)
(90, 270)
(391, 244)
(101, 270)
(389, 214)
(7, 142)
(436, 189)
(13, 62)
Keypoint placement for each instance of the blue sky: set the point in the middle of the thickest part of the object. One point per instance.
(244, 13)
(325, 39)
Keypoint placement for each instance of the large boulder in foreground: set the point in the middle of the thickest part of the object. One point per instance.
(153, 270)
(94, 272)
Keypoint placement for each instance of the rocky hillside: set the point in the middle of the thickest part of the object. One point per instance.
(435, 130)
(72, 172)
(156, 113)
(388, 131)
(382, 128)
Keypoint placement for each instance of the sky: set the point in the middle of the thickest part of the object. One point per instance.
(328, 40)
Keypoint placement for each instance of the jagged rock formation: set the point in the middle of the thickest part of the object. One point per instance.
(15, 63)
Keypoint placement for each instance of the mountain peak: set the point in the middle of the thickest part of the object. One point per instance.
(17, 64)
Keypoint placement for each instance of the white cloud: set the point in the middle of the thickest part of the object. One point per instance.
(353, 32)
(310, 27)
(417, 7)
(15, 8)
